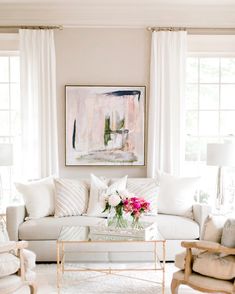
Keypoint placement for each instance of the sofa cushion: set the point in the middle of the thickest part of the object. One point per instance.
(212, 265)
(48, 228)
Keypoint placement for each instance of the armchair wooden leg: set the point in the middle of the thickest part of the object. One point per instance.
(175, 286)
(33, 288)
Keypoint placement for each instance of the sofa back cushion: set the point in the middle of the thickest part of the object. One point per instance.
(38, 197)
(146, 188)
(98, 188)
(176, 195)
(71, 197)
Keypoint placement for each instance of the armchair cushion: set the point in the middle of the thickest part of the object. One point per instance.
(10, 283)
(205, 282)
(9, 264)
(180, 258)
(215, 266)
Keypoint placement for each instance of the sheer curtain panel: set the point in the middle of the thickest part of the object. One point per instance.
(166, 104)
(38, 96)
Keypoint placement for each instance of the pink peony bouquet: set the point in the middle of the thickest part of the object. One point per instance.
(136, 206)
(128, 203)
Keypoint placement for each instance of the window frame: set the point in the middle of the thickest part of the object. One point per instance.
(9, 194)
(219, 137)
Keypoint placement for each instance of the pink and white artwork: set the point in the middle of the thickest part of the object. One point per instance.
(105, 125)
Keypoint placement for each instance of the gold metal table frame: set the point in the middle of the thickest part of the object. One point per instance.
(61, 252)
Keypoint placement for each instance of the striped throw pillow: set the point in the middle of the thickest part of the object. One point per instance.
(71, 197)
(146, 188)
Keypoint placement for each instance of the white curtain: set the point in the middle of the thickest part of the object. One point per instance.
(166, 105)
(38, 96)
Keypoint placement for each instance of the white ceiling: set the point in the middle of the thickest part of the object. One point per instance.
(119, 13)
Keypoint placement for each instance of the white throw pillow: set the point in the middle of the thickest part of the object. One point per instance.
(146, 188)
(176, 195)
(97, 189)
(38, 197)
(71, 197)
(9, 264)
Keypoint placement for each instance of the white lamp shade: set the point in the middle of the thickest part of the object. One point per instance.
(221, 154)
(6, 154)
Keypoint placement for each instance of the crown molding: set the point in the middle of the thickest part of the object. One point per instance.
(119, 13)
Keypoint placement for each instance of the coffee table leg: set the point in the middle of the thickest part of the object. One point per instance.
(62, 259)
(163, 269)
(58, 265)
(155, 256)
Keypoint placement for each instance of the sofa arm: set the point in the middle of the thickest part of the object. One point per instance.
(200, 213)
(15, 216)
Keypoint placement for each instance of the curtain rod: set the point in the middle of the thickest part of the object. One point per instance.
(195, 30)
(32, 27)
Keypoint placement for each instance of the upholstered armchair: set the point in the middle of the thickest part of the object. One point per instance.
(207, 266)
(12, 268)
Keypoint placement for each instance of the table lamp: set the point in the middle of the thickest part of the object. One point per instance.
(221, 155)
(6, 159)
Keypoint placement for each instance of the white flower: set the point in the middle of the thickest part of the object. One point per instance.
(114, 200)
(105, 197)
(125, 194)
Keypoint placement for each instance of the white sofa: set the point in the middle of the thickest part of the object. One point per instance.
(42, 234)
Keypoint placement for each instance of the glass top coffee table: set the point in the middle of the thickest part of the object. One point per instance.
(107, 237)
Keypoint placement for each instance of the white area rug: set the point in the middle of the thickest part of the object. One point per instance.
(94, 282)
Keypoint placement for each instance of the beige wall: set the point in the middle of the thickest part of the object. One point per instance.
(99, 57)
(9, 40)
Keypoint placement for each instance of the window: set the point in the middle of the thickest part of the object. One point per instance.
(9, 119)
(210, 113)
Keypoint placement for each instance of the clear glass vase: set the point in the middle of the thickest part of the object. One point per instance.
(116, 218)
(136, 224)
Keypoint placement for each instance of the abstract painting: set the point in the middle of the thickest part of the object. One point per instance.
(105, 125)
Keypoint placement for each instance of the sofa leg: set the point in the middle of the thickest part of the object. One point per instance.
(33, 288)
(174, 286)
